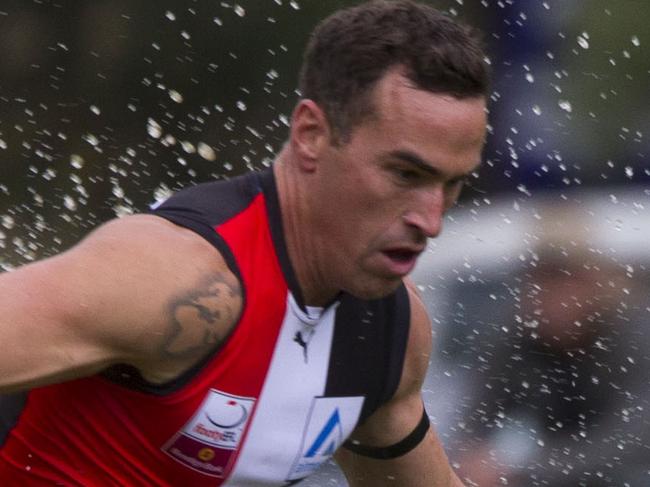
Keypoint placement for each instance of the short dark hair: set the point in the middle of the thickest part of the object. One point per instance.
(352, 49)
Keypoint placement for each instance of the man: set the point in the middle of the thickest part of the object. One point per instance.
(246, 331)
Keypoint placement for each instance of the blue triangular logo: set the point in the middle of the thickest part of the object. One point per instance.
(332, 428)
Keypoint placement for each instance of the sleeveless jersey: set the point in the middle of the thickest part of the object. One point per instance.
(267, 407)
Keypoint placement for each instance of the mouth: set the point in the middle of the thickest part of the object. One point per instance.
(401, 261)
(401, 255)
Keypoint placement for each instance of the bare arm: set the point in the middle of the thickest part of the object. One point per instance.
(138, 290)
(426, 465)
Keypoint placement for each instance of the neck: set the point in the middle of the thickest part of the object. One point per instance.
(301, 234)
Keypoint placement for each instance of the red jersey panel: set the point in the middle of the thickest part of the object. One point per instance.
(267, 408)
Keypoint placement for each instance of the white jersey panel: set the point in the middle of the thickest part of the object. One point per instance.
(294, 428)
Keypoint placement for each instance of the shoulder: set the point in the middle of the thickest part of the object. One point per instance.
(145, 248)
(153, 290)
(137, 290)
(147, 237)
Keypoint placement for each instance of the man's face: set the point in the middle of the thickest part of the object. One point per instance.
(385, 191)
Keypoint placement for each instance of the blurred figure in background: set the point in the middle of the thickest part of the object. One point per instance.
(556, 371)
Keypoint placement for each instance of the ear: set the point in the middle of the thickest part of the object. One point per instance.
(310, 133)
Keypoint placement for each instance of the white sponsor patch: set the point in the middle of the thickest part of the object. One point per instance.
(209, 439)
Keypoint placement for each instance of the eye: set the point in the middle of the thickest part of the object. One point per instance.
(406, 175)
(457, 182)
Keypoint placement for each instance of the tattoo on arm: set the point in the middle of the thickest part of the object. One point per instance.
(202, 318)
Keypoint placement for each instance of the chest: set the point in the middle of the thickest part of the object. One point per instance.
(268, 416)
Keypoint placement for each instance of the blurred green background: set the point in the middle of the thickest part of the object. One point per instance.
(107, 105)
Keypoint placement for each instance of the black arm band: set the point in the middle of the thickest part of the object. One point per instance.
(396, 450)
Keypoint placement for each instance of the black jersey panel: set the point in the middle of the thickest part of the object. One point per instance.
(368, 349)
(11, 405)
(201, 208)
(398, 332)
(214, 202)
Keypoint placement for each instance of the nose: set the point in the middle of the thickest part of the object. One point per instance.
(427, 212)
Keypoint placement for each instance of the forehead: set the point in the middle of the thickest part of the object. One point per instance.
(431, 121)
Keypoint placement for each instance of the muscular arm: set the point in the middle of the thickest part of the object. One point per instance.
(138, 290)
(426, 465)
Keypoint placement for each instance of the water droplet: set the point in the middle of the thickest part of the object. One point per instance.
(3, 144)
(7, 222)
(629, 172)
(565, 105)
(241, 105)
(522, 188)
(537, 110)
(583, 42)
(117, 191)
(69, 203)
(176, 96)
(76, 161)
(91, 139)
(206, 152)
(239, 10)
(188, 147)
(530, 78)
(153, 128)
(161, 193)
(122, 210)
(170, 15)
(95, 110)
(636, 41)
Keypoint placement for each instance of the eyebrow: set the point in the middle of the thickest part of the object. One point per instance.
(416, 161)
(420, 163)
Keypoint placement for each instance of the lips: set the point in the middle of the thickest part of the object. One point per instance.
(400, 255)
(401, 260)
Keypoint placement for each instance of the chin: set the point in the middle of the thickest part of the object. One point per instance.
(374, 290)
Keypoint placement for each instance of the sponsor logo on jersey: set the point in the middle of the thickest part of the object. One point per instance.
(331, 420)
(208, 441)
(303, 340)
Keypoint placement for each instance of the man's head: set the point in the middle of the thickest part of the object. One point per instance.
(351, 50)
(391, 122)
